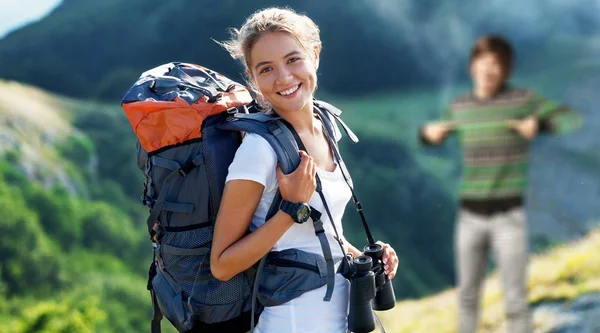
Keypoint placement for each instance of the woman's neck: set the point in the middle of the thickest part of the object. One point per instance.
(302, 120)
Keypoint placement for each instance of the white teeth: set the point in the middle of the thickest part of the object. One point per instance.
(289, 91)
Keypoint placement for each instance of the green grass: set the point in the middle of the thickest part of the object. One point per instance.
(561, 274)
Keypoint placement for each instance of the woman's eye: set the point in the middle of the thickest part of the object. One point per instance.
(265, 70)
(293, 60)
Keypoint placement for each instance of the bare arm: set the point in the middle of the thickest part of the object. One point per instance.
(231, 251)
(353, 250)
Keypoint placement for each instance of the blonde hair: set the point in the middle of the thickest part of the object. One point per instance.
(269, 20)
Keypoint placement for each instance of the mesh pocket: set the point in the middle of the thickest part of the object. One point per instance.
(192, 271)
(189, 239)
(220, 292)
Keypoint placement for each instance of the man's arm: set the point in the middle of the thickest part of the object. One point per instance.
(554, 117)
(435, 132)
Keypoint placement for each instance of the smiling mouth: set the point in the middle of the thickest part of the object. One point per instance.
(290, 90)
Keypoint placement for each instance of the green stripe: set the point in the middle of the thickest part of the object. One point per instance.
(492, 179)
(493, 113)
(490, 140)
(492, 190)
(545, 107)
(487, 184)
(506, 160)
(483, 126)
(491, 195)
(521, 166)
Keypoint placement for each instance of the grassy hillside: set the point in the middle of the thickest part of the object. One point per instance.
(71, 252)
(69, 176)
(561, 274)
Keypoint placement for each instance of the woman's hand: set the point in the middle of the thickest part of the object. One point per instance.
(390, 260)
(300, 185)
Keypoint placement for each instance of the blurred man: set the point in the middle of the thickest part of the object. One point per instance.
(495, 124)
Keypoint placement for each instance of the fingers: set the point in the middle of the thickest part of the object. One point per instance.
(390, 260)
(393, 265)
(310, 170)
(305, 160)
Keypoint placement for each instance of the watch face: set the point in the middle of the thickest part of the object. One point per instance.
(303, 213)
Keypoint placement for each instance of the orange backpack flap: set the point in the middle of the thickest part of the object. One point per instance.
(159, 123)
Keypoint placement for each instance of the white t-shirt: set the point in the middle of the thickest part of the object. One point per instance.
(255, 160)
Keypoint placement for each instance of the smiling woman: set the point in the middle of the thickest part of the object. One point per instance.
(286, 75)
(280, 50)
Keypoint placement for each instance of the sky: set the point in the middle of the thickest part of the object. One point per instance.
(16, 13)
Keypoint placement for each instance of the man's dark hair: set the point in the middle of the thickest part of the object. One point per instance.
(497, 45)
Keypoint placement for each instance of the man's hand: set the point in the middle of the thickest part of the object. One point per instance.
(527, 128)
(436, 132)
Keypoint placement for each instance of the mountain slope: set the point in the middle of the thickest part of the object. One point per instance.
(560, 275)
(101, 47)
(96, 49)
(71, 255)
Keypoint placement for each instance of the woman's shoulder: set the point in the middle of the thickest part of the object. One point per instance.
(257, 146)
(254, 160)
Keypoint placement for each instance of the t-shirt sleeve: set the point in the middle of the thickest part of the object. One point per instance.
(254, 160)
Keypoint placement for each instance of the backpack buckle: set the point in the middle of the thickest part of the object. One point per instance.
(156, 234)
(230, 113)
(215, 98)
(187, 167)
(274, 128)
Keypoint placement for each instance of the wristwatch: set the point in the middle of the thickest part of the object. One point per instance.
(300, 212)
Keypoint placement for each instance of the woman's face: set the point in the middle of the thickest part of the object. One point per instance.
(285, 74)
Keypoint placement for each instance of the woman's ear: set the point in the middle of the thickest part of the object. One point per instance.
(317, 52)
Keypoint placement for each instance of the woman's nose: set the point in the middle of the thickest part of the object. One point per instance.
(283, 76)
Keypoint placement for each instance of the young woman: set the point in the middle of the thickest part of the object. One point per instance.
(280, 50)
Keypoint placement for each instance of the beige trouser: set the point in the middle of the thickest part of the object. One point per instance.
(506, 233)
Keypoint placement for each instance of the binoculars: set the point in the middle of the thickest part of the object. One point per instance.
(370, 289)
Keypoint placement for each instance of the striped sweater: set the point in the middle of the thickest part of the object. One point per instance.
(495, 157)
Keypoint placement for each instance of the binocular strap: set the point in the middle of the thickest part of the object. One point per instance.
(381, 328)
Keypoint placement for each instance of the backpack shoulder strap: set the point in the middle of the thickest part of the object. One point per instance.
(273, 131)
(335, 113)
(276, 134)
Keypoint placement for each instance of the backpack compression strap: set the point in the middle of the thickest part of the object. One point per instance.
(178, 171)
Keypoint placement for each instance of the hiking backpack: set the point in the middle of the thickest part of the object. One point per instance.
(189, 122)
